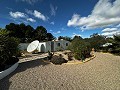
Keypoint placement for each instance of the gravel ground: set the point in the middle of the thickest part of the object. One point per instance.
(101, 73)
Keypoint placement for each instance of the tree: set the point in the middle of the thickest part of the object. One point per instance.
(27, 33)
(40, 33)
(11, 29)
(116, 38)
(80, 48)
(15, 30)
(116, 44)
(77, 37)
(94, 35)
(96, 40)
(65, 38)
(4, 32)
(50, 37)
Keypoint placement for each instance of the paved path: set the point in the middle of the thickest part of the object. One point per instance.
(101, 73)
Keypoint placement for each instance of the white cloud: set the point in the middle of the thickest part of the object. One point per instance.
(104, 14)
(51, 30)
(118, 26)
(109, 29)
(39, 15)
(109, 32)
(63, 29)
(17, 14)
(9, 8)
(31, 20)
(74, 34)
(58, 32)
(53, 10)
(29, 11)
(29, 1)
(52, 23)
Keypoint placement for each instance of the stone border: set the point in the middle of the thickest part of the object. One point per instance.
(79, 62)
(8, 71)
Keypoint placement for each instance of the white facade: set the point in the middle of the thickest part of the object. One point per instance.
(44, 46)
(53, 45)
(60, 45)
(48, 46)
(23, 46)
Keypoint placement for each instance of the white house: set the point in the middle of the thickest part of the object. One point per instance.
(55, 45)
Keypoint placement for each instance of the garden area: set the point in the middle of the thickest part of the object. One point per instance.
(51, 70)
(79, 49)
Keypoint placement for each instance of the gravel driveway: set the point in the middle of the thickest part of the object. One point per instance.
(101, 73)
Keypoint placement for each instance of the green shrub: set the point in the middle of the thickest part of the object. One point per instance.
(70, 56)
(50, 55)
(8, 48)
(80, 48)
(77, 56)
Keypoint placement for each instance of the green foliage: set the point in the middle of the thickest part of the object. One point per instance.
(80, 48)
(4, 32)
(77, 37)
(40, 33)
(8, 48)
(117, 38)
(50, 37)
(116, 45)
(70, 56)
(65, 38)
(96, 41)
(28, 33)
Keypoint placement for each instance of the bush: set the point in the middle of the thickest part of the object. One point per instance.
(70, 56)
(58, 60)
(80, 48)
(50, 55)
(8, 49)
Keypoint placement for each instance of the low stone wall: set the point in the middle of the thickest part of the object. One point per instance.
(79, 62)
(8, 71)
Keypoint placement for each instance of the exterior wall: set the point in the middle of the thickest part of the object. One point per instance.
(62, 45)
(23, 46)
(39, 46)
(8, 71)
(48, 46)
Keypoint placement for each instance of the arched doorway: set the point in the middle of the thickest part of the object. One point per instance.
(42, 48)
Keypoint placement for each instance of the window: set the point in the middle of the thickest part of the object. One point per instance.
(58, 44)
(66, 44)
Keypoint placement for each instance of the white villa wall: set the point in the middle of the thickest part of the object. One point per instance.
(62, 45)
(39, 46)
(48, 46)
(23, 46)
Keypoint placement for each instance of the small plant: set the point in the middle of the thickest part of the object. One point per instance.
(50, 55)
(70, 56)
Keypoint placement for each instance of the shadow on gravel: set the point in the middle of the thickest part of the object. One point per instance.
(5, 82)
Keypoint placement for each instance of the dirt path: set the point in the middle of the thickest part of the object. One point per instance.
(101, 73)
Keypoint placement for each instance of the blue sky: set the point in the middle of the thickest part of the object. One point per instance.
(64, 17)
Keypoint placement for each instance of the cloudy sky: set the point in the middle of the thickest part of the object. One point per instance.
(64, 17)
